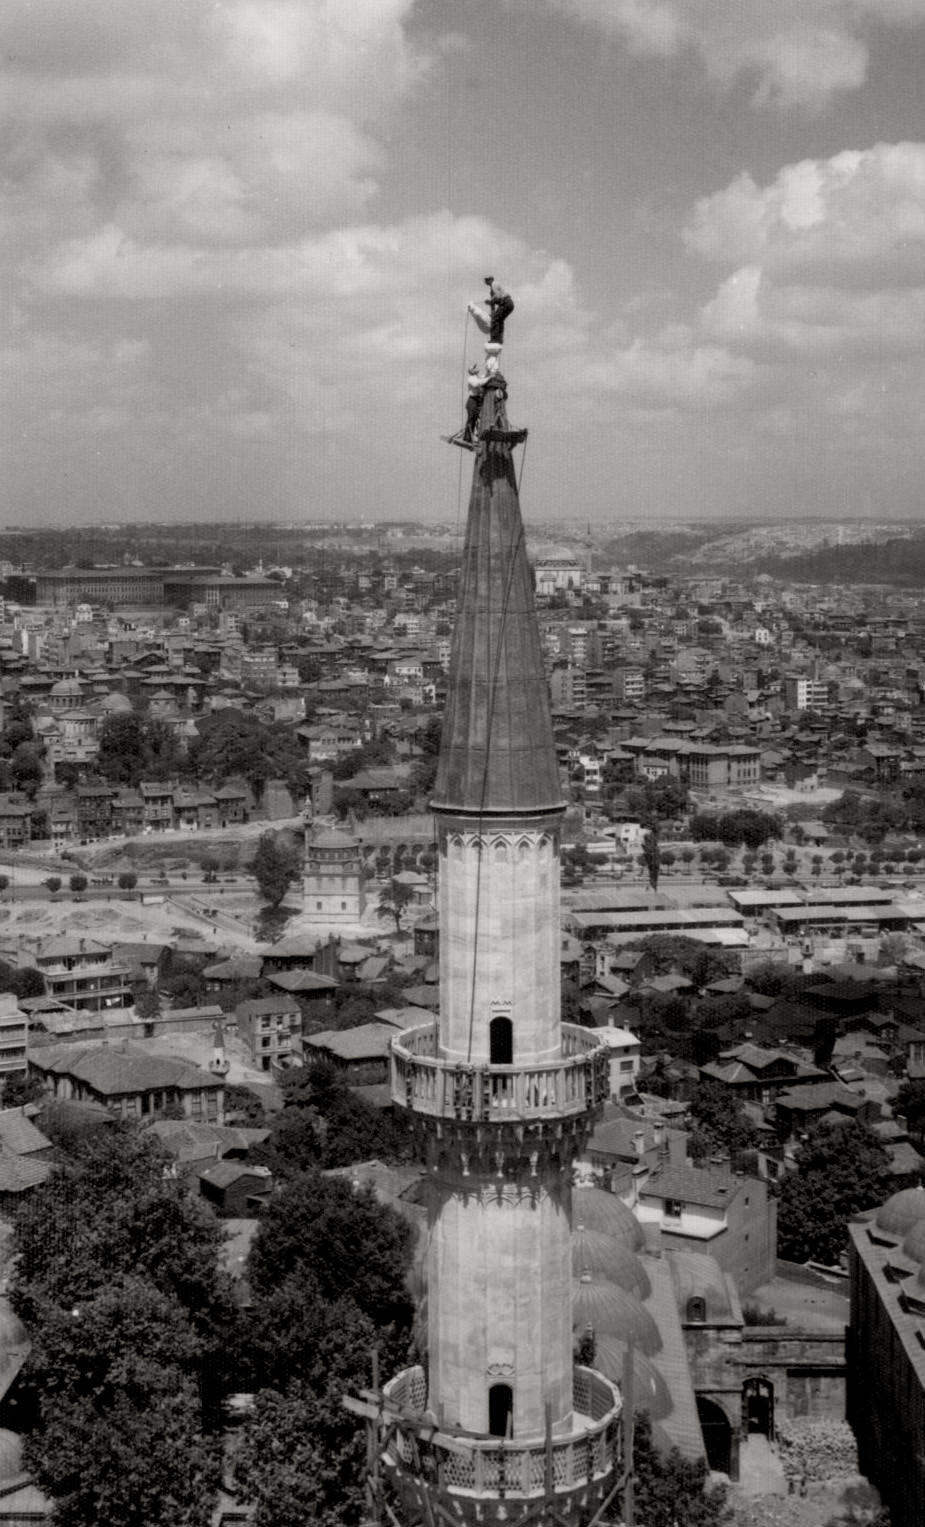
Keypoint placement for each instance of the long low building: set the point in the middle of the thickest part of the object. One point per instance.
(828, 917)
(683, 920)
(154, 586)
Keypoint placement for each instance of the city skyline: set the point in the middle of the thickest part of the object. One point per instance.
(241, 238)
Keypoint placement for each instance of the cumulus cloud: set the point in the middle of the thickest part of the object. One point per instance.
(232, 123)
(829, 257)
(797, 52)
(857, 217)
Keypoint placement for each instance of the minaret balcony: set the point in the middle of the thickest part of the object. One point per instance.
(575, 1083)
(571, 1460)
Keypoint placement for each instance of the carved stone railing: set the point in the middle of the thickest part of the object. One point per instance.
(575, 1083)
(475, 1466)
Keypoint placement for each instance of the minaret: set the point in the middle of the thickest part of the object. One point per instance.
(499, 1093)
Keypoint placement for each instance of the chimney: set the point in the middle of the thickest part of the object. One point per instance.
(639, 1141)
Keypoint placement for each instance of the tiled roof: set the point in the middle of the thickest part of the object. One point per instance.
(368, 1041)
(693, 1185)
(19, 1173)
(19, 1135)
(113, 1070)
(301, 980)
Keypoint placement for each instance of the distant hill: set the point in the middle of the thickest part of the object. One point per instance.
(900, 561)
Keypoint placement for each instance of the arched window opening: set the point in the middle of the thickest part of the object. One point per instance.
(501, 1042)
(501, 1410)
(696, 1310)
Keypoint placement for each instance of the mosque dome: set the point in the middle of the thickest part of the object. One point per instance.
(902, 1211)
(115, 703)
(650, 1392)
(596, 1209)
(607, 1257)
(914, 1244)
(611, 1311)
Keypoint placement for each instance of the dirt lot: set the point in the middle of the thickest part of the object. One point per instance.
(816, 1508)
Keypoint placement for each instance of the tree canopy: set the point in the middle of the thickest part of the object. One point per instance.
(276, 866)
(324, 1124)
(135, 747)
(328, 1271)
(840, 1170)
(351, 1245)
(668, 1488)
(117, 1279)
(746, 827)
(720, 1123)
(394, 900)
(233, 742)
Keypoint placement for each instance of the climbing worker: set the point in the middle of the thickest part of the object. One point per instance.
(500, 306)
(476, 380)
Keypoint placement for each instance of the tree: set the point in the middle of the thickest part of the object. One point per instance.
(78, 883)
(135, 1221)
(19, 1089)
(349, 1244)
(121, 756)
(394, 900)
(26, 767)
(276, 865)
(131, 1330)
(669, 1489)
(127, 880)
(651, 858)
(910, 1102)
(841, 1169)
(232, 742)
(119, 1435)
(300, 1457)
(721, 1122)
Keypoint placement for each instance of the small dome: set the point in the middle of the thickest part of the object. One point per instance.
(115, 703)
(902, 1211)
(699, 1276)
(596, 1253)
(595, 1209)
(611, 1311)
(650, 1392)
(914, 1244)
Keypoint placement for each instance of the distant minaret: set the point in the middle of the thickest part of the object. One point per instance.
(500, 1095)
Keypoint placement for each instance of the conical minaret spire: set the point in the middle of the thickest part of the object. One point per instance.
(497, 751)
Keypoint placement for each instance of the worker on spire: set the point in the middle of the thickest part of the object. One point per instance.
(500, 306)
(476, 379)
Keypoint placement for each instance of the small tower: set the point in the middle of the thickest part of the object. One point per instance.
(501, 1423)
(333, 881)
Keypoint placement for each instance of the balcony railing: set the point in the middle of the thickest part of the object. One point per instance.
(573, 1083)
(516, 1467)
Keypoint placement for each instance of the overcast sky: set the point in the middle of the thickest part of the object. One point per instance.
(239, 237)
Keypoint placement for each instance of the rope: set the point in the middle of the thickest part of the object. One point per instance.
(459, 468)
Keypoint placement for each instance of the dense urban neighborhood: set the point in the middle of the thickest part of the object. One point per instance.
(220, 950)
